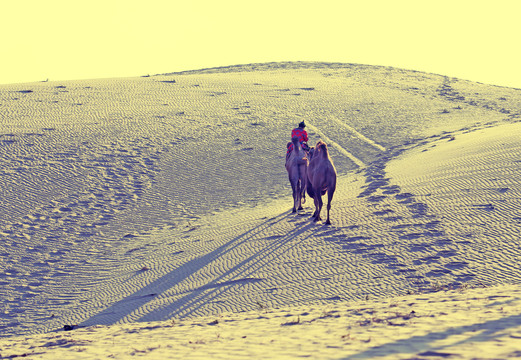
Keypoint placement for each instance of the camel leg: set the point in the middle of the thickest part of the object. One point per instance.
(315, 213)
(320, 204)
(303, 184)
(299, 194)
(311, 194)
(294, 185)
(330, 193)
(329, 198)
(295, 195)
(302, 197)
(294, 198)
(319, 207)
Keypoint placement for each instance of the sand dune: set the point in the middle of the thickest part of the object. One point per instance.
(165, 197)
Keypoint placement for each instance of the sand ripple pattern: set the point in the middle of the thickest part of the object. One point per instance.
(166, 196)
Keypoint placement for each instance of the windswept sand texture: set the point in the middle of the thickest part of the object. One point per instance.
(166, 197)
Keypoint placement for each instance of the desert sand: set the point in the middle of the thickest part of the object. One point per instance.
(152, 216)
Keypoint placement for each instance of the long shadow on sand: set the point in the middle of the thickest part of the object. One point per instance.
(241, 273)
(487, 331)
(186, 305)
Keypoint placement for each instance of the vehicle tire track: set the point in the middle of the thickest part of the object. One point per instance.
(337, 146)
(357, 134)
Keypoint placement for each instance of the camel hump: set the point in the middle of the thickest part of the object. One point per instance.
(322, 148)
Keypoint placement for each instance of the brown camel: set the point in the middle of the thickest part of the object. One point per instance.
(321, 179)
(296, 165)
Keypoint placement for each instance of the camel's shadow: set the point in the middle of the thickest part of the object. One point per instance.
(132, 307)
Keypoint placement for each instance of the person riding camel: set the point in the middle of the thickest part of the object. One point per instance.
(302, 135)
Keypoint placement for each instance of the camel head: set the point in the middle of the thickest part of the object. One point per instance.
(321, 148)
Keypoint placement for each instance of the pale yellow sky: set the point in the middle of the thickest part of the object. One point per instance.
(64, 40)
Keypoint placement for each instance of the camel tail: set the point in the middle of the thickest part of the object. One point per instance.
(297, 148)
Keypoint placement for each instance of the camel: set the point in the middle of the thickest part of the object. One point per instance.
(296, 165)
(321, 179)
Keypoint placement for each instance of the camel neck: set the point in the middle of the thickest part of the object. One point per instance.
(296, 144)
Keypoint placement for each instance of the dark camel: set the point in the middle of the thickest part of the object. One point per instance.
(296, 165)
(321, 179)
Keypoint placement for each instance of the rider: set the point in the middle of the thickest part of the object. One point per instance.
(302, 136)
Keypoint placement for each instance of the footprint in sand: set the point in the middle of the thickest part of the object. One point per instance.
(418, 209)
(443, 242)
(36, 249)
(433, 233)
(406, 271)
(426, 260)
(419, 247)
(384, 259)
(391, 190)
(383, 212)
(373, 186)
(355, 238)
(376, 198)
(456, 265)
(465, 277)
(355, 247)
(432, 224)
(395, 265)
(403, 196)
(329, 232)
(486, 207)
(446, 253)
(393, 218)
(410, 236)
(438, 272)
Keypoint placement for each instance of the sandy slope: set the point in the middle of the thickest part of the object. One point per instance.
(165, 197)
(459, 324)
(476, 200)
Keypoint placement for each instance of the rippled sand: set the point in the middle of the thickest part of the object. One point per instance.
(165, 197)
